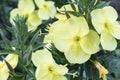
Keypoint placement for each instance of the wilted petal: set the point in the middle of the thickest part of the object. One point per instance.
(42, 56)
(90, 42)
(98, 20)
(108, 41)
(76, 55)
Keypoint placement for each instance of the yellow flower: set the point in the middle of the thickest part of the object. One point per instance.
(26, 8)
(104, 21)
(12, 59)
(46, 9)
(74, 38)
(47, 69)
(102, 70)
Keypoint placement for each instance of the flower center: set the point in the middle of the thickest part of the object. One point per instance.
(45, 6)
(51, 69)
(107, 25)
(26, 15)
(76, 38)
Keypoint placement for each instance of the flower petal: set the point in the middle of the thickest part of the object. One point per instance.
(76, 55)
(42, 73)
(59, 78)
(108, 41)
(110, 13)
(61, 70)
(26, 6)
(78, 25)
(60, 35)
(33, 21)
(90, 43)
(4, 75)
(41, 56)
(61, 43)
(98, 20)
(115, 30)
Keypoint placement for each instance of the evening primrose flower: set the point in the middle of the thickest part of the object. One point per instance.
(102, 70)
(46, 9)
(104, 21)
(74, 38)
(12, 59)
(47, 69)
(26, 8)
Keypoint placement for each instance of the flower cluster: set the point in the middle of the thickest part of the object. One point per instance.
(75, 36)
(26, 8)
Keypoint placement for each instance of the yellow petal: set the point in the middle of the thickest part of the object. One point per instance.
(46, 10)
(4, 75)
(33, 21)
(108, 41)
(59, 78)
(78, 25)
(60, 70)
(42, 56)
(98, 20)
(26, 6)
(59, 34)
(90, 43)
(61, 43)
(76, 55)
(42, 73)
(115, 29)
(38, 2)
(110, 13)
(13, 14)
